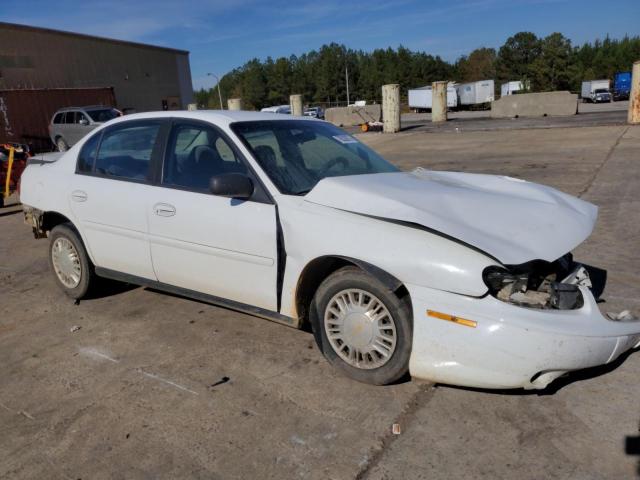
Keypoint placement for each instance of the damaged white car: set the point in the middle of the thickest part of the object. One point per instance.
(457, 278)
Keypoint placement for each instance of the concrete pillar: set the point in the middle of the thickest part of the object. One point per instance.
(634, 95)
(235, 103)
(391, 108)
(439, 102)
(295, 101)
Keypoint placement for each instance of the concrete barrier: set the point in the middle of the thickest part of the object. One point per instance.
(391, 108)
(552, 104)
(234, 104)
(352, 115)
(439, 102)
(295, 101)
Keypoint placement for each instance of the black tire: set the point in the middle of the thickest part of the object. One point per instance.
(399, 308)
(61, 144)
(87, 271)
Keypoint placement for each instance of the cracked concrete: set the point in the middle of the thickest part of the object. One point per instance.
(282, 412)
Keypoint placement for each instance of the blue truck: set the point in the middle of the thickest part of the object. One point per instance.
(621, 86)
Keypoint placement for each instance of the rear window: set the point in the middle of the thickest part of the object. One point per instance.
(87, 156)
(126, 152)
(103, 115)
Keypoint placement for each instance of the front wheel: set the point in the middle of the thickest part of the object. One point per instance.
(362, 328)
(69, 262)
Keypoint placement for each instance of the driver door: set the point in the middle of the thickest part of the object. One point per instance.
(214, 245)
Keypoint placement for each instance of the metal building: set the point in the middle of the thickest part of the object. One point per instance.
(143, 77)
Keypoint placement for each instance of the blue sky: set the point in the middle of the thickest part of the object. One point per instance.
(223, 34)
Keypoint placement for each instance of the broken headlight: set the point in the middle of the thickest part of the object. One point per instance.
(539, 284)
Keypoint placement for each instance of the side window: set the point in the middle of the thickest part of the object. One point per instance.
(195, 154)
(87, 156)
(70, 117)
(58, 118)
(126, 151)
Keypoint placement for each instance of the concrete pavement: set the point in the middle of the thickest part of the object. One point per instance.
(156, 386)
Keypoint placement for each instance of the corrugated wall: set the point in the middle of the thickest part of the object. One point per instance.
(25, 114)
(142, 76)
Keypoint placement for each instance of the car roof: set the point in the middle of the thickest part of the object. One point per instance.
(224, 117)
(87, 108)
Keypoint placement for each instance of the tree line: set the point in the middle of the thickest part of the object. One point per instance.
(545, 64)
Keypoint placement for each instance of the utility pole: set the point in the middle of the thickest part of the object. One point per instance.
(346, 75)
(218, 84)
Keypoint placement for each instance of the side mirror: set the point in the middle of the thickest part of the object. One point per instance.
(231, 185)
(84, 121)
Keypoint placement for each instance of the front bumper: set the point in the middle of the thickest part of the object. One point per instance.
(510, 346)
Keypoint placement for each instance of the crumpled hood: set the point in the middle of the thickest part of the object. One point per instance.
(510, 219)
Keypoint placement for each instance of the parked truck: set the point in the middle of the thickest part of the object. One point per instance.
(421, 99)
(621, 86)
(475, 94)
(595, 91)
(509, 88)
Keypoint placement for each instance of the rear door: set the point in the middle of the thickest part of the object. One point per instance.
(74, 128)
(111, 192)
(219, 246)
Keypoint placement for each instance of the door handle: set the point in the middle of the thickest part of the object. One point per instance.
(164, 210)
(79, 196)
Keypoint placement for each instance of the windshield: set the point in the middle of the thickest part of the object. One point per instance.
(601, 90)
(103, 115)
(297, 154)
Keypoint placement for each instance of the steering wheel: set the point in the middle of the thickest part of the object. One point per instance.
(332, 163)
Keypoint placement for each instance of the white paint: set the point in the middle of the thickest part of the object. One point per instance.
(512, 220)
(164, 380)
(214, 245)
(423, 97)
(475, 93)
(95, 353)
(510, 344)
(509, 88)
(297, 440)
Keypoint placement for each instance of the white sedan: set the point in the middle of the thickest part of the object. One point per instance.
(456, 278)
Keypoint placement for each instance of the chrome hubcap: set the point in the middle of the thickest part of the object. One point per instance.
(66, 262)
(360, 329)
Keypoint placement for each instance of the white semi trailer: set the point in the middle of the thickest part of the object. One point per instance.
(422, 98)
(475, 93)
(509, 88)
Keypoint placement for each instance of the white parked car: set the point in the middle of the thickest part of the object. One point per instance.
(457, 278)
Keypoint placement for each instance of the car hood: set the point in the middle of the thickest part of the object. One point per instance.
(512, 220)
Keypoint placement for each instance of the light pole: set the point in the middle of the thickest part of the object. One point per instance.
(346, 76)
(217, 83)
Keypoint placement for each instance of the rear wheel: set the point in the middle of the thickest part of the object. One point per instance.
(62, 144)
(69, 262)
(362, 327)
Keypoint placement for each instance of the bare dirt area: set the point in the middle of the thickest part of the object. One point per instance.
(156, 386)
